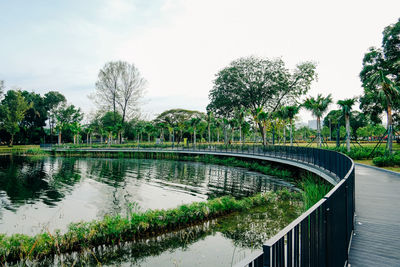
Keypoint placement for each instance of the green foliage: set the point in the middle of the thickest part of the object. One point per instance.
(387, 161)
(136, 225)
(13, 109)
(255, 83)
(314, 189)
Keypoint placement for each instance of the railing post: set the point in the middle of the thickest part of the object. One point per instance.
(267, 256)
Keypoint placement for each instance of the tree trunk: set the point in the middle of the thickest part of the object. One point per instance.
(284, 134)
(59, 138)
(11, 140)
(347, 117)
(209, 134)
(240, 134)
(255, 132)
(319, 131)
(194, 136)
(225, 135)
(390, 128)
(291, 133)
(273, 133)
(262, 127)
(218, 136)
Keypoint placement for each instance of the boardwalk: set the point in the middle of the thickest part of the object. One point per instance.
(377, 233)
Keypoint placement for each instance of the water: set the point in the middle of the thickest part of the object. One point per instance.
(44, 194)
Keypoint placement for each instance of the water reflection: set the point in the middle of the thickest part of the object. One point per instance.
(48, 193)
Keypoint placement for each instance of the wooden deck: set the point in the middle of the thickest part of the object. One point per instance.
(376, 239)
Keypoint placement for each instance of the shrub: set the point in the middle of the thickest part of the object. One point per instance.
(387, 161)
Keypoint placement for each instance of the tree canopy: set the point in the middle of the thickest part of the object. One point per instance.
(255, 83)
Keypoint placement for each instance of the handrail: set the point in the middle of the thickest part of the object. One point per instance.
(321, 235)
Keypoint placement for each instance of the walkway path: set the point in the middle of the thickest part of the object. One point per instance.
(377, 232)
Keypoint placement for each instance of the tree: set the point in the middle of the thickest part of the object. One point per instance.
(32, 126)
(346, 106)
(194, 122)
(391, 49)
(256, 83)
(289, 113)
(1, 89)
(318, 107)
(68, 119)
(240, 115)
(379, 86)
(175, 120)
(13, 110)
(119, 87)
(380, 76)
(210, 120)
(53, 100)
(263, 118)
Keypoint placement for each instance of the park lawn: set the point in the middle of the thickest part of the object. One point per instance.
(369, 162)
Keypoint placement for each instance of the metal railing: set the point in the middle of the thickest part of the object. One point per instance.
(321, 236)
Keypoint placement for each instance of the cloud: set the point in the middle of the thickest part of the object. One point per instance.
(116, 9)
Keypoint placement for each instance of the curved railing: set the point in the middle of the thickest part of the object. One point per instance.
(321, 236)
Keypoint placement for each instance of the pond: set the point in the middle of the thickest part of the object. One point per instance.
(46, 193)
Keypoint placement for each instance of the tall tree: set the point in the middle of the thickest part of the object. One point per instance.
(13, 110)
(68, 119)
(380, 77)
(194, 122)
(240, 116)
(53, 100)
(318, 106)
(119, 87)
(257, 83)
(346, 106)
(290, 112)
(380, 89)
(263, 119)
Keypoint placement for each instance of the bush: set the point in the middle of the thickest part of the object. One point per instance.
(387, 161)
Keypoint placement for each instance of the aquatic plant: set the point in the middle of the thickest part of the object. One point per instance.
(116, 229)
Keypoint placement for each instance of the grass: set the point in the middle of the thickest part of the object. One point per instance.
(116, 229)
(18, 148)
(314, 189)
(370, 163)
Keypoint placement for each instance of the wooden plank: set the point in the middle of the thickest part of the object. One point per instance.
(376, 240)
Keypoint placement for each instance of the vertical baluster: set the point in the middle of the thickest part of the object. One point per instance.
(296, 246)
(289, 250)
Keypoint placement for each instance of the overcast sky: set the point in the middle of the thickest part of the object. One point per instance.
(179, 45)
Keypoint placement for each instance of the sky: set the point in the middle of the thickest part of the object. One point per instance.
(180, 45)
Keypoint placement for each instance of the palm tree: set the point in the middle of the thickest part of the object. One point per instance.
(289, 113)
(380, 87)
(194, 122)
(346, 108)
(240, 115)
(318, 106)
(210, 120)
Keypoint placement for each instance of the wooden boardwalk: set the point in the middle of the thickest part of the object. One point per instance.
(376, 239)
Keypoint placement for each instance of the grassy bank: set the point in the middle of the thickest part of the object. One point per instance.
(116, 229)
